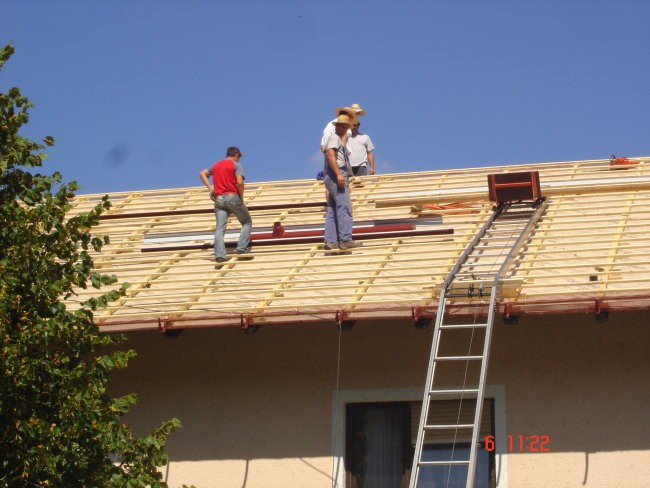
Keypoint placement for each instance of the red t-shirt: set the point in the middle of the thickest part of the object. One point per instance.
(224, 176)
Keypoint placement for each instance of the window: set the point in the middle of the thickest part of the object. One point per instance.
(378, 452)
(381, 436)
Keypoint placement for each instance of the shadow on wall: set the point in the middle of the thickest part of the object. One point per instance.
(577, 381)
(269, 395)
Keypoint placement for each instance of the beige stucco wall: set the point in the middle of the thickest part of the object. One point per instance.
(257, 409)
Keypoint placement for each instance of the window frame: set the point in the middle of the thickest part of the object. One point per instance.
(343, 397)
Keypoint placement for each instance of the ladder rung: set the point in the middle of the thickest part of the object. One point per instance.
(499, 249)
(497, 238)
(501, 230)
(512, 230)
(524, 215)
(465, 295)
(488, 242)
(476, 276)
(508, 224)
(485, 255)
(472, 284)
(454, 391)
(449, 426)
(492, 247)
(470, 265)
(463, 326)
(521, 209)
(510, 236)
(464, 288)
(458, 358)
(441, 463)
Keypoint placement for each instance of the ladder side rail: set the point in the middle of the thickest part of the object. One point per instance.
(496, 287)
(478, 412)
(426, 397)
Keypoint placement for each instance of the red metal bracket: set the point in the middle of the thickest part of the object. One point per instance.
(340, 316)
(247, 324)
(278, 230)
(601, 310)
(164, 325)
(343, 321)
(245, 321)
(508, 316)
(420, 320)
(416, 313)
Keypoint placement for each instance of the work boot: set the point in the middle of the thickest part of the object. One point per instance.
(244, 254)
(331, 245)
(349, 244)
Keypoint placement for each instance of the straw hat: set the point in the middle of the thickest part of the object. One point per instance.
(344, 119)
(354, 109)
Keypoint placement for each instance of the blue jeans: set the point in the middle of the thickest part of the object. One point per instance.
(224, 205)
(338, 219)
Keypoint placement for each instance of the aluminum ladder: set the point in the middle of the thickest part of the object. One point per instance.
(478, 275)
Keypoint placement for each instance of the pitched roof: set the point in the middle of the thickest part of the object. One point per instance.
(591, 244)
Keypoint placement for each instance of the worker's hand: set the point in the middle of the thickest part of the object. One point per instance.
(212, 194)
(372, 171)
(340, 180)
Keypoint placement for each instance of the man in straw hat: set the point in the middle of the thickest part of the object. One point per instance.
(362, 152)
(338, 219)
(353, 111)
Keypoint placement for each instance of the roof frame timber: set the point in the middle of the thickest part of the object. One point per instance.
(591, 245)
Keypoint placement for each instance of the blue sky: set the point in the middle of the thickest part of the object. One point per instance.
(144, 94)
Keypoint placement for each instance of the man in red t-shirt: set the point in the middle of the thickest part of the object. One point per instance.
(227, 191)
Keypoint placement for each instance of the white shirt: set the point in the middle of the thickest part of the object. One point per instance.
(342, 152)
(359, 147)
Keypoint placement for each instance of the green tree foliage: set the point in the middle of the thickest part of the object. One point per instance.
(58, 426)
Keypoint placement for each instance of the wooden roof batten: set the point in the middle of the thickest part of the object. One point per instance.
(586, 253)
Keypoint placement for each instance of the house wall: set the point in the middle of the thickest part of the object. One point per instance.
(257, 409)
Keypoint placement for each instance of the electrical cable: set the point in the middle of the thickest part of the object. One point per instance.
(335, 425)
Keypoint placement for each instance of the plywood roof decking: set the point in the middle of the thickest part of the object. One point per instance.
(591, 244)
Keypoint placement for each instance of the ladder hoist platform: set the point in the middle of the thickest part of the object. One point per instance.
(460, 351)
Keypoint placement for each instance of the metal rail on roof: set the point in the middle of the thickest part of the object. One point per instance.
(378, 232)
